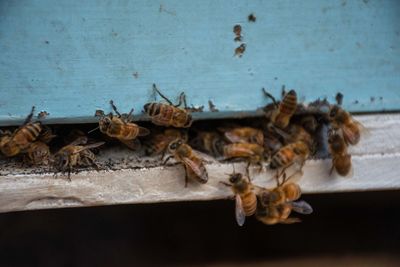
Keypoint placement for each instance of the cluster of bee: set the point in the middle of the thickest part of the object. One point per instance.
(283, 140)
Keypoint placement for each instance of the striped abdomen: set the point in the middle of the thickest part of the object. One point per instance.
(286, 109)
(26, 135)
(167, 115)
(249, 202)
(284, 157)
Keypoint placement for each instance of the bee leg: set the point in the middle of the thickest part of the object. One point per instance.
(167, 159)
(129, 118)
(163, 154)
(248, 169)
(186, 180)
(182, 98)
(69, 173)
(225, 183)
(260, 167)
(271, 97)
(159, 93)
(114, 108)
(331, 170)
(29, 117)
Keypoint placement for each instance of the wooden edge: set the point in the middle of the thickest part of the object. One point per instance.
(374, 169)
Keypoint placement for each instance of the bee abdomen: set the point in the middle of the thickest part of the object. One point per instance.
(249, 203)
(289, 103)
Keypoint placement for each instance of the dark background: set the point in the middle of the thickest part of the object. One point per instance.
(357, 227)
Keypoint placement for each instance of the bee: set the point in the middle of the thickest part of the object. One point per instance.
(284, 191)
(168, 114)
(159, 142)
(290, 154)
(38, 153)
(122, 128)
(254, 153)
(192, 162)
(209, 142)
(271, 215)
(294, 133)
(21, 138)
(283, 111)
(341, 119)
(341, 160)
(76, 153)
(246, 199)
(243, 135)
(272, 143)
(275, 205)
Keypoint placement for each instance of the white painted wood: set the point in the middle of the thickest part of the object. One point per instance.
(375, 163)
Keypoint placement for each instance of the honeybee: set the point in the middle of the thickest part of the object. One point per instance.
(122, 128)
(192, 162)
(283, 111)
(341, 119)
(290, 154)
(294, 133)
(271, 142)
(341, 160)
(243, 135)
(168, 114)
(246, 199)
(159, 142)
(284, 191)
(75, 154)
(271, 214)
(21, 138)
(254, 153)
(209, 142)
(38, 153)
(275, 205)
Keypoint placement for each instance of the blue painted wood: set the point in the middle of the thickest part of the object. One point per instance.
(71, 57)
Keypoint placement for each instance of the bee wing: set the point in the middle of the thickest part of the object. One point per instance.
(132, 144)
(234, 138)
(239, 211)
(143, 131)
(198, 169)
(301, 207)
(92, 145)
(79, 141)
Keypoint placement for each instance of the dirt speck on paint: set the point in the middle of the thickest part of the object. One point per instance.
(240, 50)
(252, 18)
(135, 74)
(167, 11)
(372, 99)
(355, 102)
(237, 30)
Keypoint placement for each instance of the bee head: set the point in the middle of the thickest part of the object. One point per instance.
(146, 107)
(175, 144)
(235, 177)
(104, 123)
(265, 197)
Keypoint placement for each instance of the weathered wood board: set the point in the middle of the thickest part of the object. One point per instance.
(375, 164)
(71, 57)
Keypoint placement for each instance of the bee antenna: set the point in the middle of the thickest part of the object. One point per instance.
(94, 129)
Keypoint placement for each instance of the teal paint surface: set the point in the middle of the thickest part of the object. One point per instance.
(71, 57)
